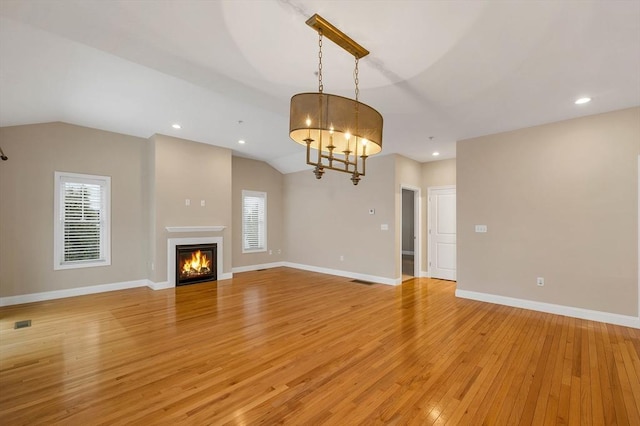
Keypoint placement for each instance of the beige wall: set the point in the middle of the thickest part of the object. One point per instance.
(151, 178)
(327, 218)
(439, 173)
(26, 204)
(560, 202)
(434, 173)
(255, 175)
(182, 170)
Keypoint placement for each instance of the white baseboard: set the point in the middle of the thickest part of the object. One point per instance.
(82, 291)
(346, 274)
(71, 292)
(425, 274)
(159, 286)
(225, 276)
(408, 252)
(163, 285)
(250, 268)
(606, 317)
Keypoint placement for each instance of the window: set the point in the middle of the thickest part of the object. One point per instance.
(82, 224)
(254, 221)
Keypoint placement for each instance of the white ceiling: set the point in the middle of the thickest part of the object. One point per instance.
(443, 69)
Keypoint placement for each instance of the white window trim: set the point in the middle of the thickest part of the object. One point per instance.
(263, 195)
(58, 227)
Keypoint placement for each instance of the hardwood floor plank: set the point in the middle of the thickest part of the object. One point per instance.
(624, 403)
(564, 400)
(609, 380)
(598, 364)
(632, 375)
(575, 399)
(289, 346)
(538, 393)
(586, 396)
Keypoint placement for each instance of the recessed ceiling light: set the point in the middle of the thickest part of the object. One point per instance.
(176, 126)
(241, 142)
(435, 154)
(583, 101)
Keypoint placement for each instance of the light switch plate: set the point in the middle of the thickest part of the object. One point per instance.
(481, 228)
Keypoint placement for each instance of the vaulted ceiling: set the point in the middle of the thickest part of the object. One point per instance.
(439, 71)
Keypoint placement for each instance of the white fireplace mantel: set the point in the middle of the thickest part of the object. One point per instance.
(216, 228)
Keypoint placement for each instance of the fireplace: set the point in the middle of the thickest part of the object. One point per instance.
(196, 263)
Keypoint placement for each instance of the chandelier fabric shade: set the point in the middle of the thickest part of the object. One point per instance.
(343, 131)
(331, 120)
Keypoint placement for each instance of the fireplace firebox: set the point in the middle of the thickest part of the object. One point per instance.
(196, 263)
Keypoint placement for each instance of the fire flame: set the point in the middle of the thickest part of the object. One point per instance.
(199, 263)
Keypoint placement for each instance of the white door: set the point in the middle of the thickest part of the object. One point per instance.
(442, 233)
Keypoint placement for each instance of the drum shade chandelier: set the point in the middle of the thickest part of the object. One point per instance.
(343, 131)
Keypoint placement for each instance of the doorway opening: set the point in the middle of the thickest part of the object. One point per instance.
(410, 246)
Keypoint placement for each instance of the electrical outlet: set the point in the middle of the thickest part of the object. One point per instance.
(187, 202)
(279, 251)
(540, 281)
(341, 258)
(270, 252)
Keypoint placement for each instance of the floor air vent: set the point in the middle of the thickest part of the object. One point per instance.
(22, 324)
(362, 282)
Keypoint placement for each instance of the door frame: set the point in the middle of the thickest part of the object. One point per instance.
(430, 190)
(417, 243)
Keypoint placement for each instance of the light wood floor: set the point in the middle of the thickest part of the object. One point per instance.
(407, 267)
(287, 346)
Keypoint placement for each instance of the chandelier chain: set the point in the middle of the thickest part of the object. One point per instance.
(320, 86)
(355, 79)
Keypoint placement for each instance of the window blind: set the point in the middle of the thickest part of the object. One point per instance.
(254, 221)
(82, 226)
(82, 221)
